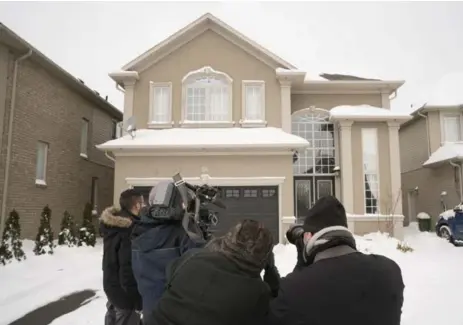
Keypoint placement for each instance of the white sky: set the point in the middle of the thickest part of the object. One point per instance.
(421, 43)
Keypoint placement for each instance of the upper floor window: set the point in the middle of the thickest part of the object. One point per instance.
(451, 127)
(160, 104)
(84, 138)
(253, 107)
(370, 170)
(207, 97)
(41, 163)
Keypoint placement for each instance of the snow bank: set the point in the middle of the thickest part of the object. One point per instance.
(429, 273)
(447, 152)
(268, 137)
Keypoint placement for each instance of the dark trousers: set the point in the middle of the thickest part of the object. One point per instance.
(116, 316)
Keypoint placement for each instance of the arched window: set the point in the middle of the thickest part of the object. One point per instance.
(313, 125)
(207, 96)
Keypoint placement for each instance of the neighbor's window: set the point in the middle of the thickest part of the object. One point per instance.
(207, 96)
(160, 103)
(84, 138)
(451, 128)
(254, 101)
(41, 163)
(371, 170)
(94, 198)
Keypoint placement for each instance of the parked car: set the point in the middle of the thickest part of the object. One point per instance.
(450, 225)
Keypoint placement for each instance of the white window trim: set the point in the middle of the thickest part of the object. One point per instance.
(207, 71)
(43, 181)
(84, 154)
(442, 116)
(154, 124)
(378, 199)
(252, 123)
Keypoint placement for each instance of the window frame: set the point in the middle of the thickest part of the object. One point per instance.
(245, 122)
(46, 146)
(443, 116)
(202, 73)
(368, 133)
(86, 122)
(152, 123)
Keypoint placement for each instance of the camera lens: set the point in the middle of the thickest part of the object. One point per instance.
(295, 233)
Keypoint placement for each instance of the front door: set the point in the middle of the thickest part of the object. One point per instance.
(307, 190)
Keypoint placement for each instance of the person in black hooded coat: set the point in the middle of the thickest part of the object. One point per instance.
(221, 284)
(332, 282)
(118, 280)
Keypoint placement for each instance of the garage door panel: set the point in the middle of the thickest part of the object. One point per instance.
(249, 202)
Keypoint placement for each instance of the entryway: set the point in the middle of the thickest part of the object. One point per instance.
(307, 190)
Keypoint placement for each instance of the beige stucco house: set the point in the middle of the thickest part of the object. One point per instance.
(219, 108)
(431, 160)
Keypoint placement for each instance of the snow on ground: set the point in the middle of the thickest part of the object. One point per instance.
(431, 275)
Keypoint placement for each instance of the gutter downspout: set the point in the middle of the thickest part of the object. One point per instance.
(427, 132)
(118, 87)
(10, 140)
(459, 178)
(109, 157)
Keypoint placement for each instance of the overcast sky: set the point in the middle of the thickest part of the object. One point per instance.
(421, 43)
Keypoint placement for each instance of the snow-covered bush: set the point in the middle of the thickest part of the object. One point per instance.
(87, 234)
(44, 239)
(67, 235)
(11, 245)
(404, 247)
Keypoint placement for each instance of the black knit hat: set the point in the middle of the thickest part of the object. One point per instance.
(326, 212)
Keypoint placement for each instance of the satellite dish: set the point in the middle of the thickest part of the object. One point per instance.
(130, 126)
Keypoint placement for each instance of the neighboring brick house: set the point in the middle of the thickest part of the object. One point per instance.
(57, 121)
(431, 160)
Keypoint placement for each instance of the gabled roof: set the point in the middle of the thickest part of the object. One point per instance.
(197, 27)
(19, 45)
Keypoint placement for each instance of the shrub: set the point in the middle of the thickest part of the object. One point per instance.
(404, 247)
(87, 234)
(67, 235)
(11, 245)
(44, 239)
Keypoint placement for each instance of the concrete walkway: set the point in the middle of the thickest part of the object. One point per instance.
(46, 314)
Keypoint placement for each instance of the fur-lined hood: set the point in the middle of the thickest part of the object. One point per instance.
(111, 216)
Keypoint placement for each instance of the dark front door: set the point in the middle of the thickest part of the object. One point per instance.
(307, 190)
(250, 202)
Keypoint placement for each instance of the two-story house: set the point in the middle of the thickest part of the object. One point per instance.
(50, 122)
(431, 158)
(219, 108)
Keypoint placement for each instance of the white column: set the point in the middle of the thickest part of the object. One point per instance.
(394, 162)
(128, 103)
(286, 105)
(385, 101)
(347, 179)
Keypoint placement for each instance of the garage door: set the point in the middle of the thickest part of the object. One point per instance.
(250, 202)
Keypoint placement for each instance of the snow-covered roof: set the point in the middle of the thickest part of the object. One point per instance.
(367, 112)
(208, 138)
(449, 151)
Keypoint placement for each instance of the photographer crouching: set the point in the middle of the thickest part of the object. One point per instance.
(332, 282)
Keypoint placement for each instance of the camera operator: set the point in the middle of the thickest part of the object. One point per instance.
(333, 283)
(157, 241)
(220, 284)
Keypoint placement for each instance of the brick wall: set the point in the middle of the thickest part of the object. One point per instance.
(47, 110)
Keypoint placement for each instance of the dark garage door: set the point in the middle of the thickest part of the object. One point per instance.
(250, 202)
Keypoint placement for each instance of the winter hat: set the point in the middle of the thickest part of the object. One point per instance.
(326, 212)
(248, 244)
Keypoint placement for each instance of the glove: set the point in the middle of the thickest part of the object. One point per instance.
(272, 276)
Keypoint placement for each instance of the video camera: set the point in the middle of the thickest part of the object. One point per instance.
(178, 200)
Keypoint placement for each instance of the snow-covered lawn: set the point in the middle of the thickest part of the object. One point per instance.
(432, 274)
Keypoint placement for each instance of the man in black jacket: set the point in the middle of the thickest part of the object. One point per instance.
(119, 284)
(333, 283)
